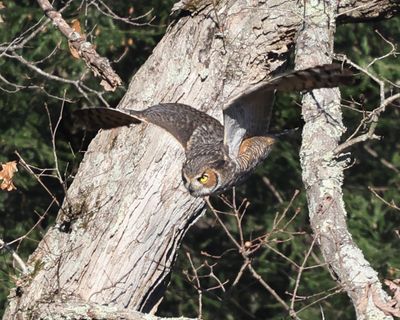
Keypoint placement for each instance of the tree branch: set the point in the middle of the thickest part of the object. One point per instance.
(323, 175)
(99, 65)
(374, 116)
(15, 256)
(90, 311)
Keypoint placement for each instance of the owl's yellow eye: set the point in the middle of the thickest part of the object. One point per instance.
(203, 179)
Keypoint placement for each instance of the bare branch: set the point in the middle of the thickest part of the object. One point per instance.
(28, 168)
(392, 51)
(374, 117)
(129, 20)
(243, 249)
(31, 66)
(299, 273)
(271, 187)
(385, 162)
(267, 287)
(15, 256)
(99, 65)
(198, 286)
(41, 217)
(229, 234)
(20, 41)
(389, 204)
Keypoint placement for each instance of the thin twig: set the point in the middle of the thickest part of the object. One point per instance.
(27, 167)
(41, 218)
(245, 254)
(389, 204)
(129, 20)
(371, 131)
(229, 234)
(198, 286)
(271, 187)
(15, 256)
(299, 273)
(390, 53)
(267, 287)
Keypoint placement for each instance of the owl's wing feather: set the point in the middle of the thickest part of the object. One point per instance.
(245, 116)
(179, 120)
(248, 114)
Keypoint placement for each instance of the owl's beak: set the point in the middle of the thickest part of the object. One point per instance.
(190, 188)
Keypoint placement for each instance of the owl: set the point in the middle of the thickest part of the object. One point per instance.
(220, 156)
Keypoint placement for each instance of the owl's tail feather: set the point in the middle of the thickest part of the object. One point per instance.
(93, 119)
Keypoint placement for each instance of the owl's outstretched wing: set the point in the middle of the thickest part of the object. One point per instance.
(180, 120)
(248, 114)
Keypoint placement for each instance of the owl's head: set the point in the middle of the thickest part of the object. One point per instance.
(203, 180)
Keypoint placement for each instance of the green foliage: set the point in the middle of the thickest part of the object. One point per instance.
(25, 127)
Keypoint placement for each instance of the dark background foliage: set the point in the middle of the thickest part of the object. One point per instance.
(24, 127)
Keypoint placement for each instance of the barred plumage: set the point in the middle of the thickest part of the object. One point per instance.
(218, 156)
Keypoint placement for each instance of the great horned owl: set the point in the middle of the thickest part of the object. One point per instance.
(218, 156)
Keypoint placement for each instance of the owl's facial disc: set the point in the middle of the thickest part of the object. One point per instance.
(203, 184)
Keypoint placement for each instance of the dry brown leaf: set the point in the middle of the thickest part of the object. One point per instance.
(74, 52)
(75, 24)
(389, 308)
(106, 86)
(6, 174)
(394, 286)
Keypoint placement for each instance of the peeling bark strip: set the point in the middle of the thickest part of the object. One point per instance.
(100, 66)
(126, 212)
(323, 173)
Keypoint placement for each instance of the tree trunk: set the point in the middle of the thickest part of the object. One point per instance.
(126, 212)
(323, 170)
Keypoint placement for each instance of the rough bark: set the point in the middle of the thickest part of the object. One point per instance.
(323, 171)
(126, 212)
(61, 310)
